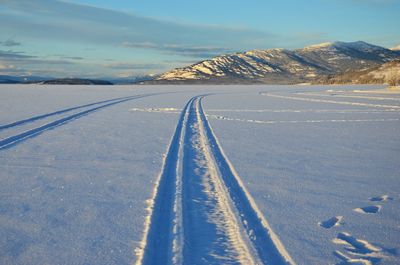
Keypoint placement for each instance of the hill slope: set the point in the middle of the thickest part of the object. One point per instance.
(386, 73)
(283, 66)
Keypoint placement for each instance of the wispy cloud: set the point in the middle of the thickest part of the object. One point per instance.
(92, 30)
(73, 57)
(17, 63)
(10, 43)
(191, 51)
(68, 21)
(11, 55)
(130, 66)
(6, 67)
(10, 69)
(21, 57)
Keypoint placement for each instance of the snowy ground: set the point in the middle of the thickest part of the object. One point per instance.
(255, 174)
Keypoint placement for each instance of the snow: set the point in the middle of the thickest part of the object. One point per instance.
(318, 165)
(203, 69)
(318, 46)
(304, 173)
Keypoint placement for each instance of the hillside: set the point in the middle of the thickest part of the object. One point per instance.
(387, 73)
(282, 65)
(76, 81)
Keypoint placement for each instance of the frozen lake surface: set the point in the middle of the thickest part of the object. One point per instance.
(199, 175)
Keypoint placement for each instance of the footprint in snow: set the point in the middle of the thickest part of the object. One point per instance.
(331, 222)
(346, 260)
(382, 198)
(371, 209)
(358, 251)
(355, 245)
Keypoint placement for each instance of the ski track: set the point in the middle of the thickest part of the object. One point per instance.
(18, 138)
(303, 110)
(331, 101)
(225, 118)
(178, 111)
(200, 212)
(220, 117)
(39, 117)
(332, 94)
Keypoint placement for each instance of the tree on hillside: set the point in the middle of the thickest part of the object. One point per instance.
(393, 78)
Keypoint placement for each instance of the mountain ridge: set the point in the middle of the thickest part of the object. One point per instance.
(282, 65)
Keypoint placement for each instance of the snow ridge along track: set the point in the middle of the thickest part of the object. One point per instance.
(201, 211)
(15, 139)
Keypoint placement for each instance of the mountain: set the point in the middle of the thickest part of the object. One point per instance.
(4, 79)
(75, 81)
(282, 65)
(8, 79)
(375, 75)
(130, 80)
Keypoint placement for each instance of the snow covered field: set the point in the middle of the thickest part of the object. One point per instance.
(254, 175)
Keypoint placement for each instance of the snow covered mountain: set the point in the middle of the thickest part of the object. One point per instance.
(282, 65)
(375, 75)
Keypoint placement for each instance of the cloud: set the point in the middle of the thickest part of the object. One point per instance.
(44, 19)
(10, 43)
(16, 63)
(191, 51)
(130, 66)
(140, 45)
(22, 58)
(11, 55)
(6, 67)
(71, 29)
(9, 69)
(73, 57)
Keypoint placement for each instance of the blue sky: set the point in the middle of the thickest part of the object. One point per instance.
(98, 38)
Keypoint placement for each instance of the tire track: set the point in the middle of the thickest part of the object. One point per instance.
(212, 232)
(39, 117)
(264, 240)
(338, 95)
(157, 245)
(201, 212)
(18, 138)
(331, 101)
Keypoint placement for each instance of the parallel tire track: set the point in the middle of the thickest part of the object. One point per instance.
(157, 245)
(265, 241)
(15, 139)
(331, 101)
(201, 212)
(335, 95)
(212, 232)
(39, 117)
